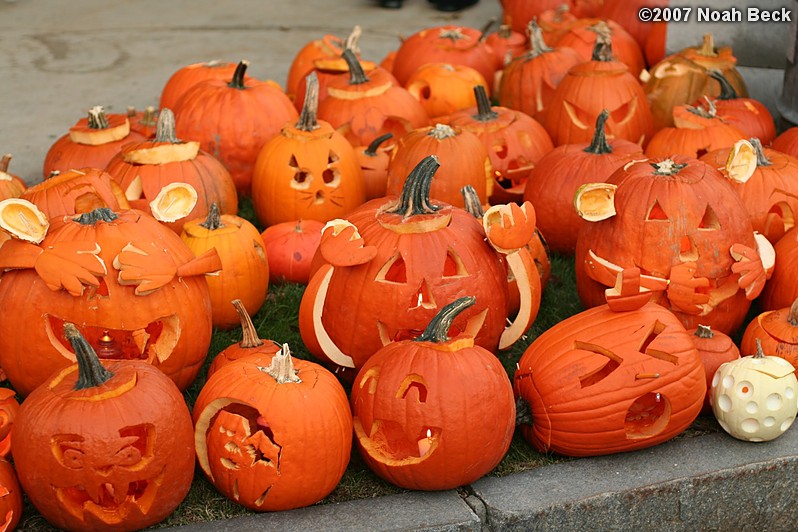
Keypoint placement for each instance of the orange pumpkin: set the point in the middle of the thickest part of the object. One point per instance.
(11, 504)
(144, 122)
(186, 77)
(747, 114)
(777, 330)
(328, 46)
(645, 32)
(374, 160)
(787, 142)
(443, 88)
(582, 34)
(782, 286)
(714, 348)
(11, 185)
(75, 192)
(9, 407)
(290, 247)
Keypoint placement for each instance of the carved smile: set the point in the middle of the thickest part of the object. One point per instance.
(112, 502)
(388, 444)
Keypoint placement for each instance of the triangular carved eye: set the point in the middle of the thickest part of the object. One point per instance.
(302, 178)
(656, 213)
(454, 267)
(709, 220)
(332, 158)
(624, 113)
(393, 271)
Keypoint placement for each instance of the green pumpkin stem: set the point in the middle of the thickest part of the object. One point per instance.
(97, 118)
(438, 329)
(704, 331)
(602, 50)
(214, 219)
(599, 145)
(101, 214)
(371, 149)
(471, 202)
(357, 76)
(792, 316)
(537, 44)
(667, 167)
(165, 127)
(237, 82)
(308, 119)
(761, 158)
(250, 338)
(4, 162)
(484, 111)
(282, 367)
(91, 372)
(415, 192)
(727, 90)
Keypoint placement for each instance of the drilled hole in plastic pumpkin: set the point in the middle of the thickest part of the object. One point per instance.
(647, 416)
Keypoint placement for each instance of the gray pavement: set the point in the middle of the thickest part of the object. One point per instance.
(60, 58)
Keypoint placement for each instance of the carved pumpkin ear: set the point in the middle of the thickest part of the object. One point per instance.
(742, 161)
(342, 245)
(174, 202)
(23, 220)
(595, 201)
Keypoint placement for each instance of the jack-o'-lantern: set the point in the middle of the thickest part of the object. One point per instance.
(273, 433)
(407, 256)
(443, 88)
(416, 424)
(104, 446)
(782, 287)
(645, 32)
(75, 192)
(131, 286)
(8, 414)
(11, 505)
(590, 87)
(754, 397)
(750, 116)
(685, 228)
(714, 348)
(11, 185)
(308, 171)
(603, 382)
(777, 330)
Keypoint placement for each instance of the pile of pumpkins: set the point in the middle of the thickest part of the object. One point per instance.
(419, 200)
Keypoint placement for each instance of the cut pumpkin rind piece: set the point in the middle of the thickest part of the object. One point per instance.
(742, 161)
(173, 202)
(595, 201)
(23, 220)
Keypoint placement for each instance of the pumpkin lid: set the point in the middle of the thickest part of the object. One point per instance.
(173, 202)
(772, 366)
(414, 211)
(595, 201)
(99, 128)
(23, 220)
(164, 148)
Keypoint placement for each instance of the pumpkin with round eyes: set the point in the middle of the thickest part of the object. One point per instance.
(595, 85)
(416, 424)
(582, 34)
(104, 446)
(407, 255)
(131, 285)
(91, 142)
(308, 171)
(75, 192)
(11, 185)
(603, 382)
(709, 264)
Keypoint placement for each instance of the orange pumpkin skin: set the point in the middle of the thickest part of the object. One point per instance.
(211, 113)
(603, 382)
(114, 456)
(714, 348)
(328, 46)
(75, 192)
(278, 420)
(580, 37)
(374, 160)
(11, 504)
(624, 12)
(11, 185)
(172, 324)
(8, 414)
(186, 77)
(96, 140)
(518, 13)
(411, 392)
(693, 218)
(695, 132)
(144, 121)
(777, 330)
(787, 142)
(290, 247)
(444, 88)
(782, 287)
(750, 116)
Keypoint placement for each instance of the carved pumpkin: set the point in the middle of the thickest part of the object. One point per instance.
(595, 85)
(8, 415)
(374, 160)
(133, 288)
(708, 265)
(463, 159)
(104, 447)
(144, 169)
(290, 247)
(753, 398)
(528, 82)
(11, 504)
(245, 268)
(254, 421)
(91, 142)
(515, 143)
(75, 192)
(750, 116)
(11, 185)
(777, 330)
(308, 171)
(551, 185)
(714, 348)
(582, 34)
(407, 256)
(603, 382)
(782, 287)
(443, 88)
(417, 425)
(186, 77)
(363, 107)
(212, 112)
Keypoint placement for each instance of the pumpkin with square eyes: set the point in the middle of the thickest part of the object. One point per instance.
(386, 270)
(707, 265)
(104, 446)
(417, 425)
(309, 171)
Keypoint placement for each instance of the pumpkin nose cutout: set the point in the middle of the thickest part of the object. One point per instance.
(687, 250)
(423, 297)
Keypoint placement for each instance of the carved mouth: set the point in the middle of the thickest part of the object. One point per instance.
(387, 442)
(111, 502)
(155, 340)
(390, 334)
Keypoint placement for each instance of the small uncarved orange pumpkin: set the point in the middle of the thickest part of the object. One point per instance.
(11, 185)
(777, 330)
(290, 247)
(714, 348)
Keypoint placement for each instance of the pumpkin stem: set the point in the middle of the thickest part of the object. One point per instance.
(455, 34)
(165, 128)
(91, 372)
(250, 338)
(523, 412)
(707, 48)
(97, 118)
(710, 111)
(371, 149)
(602, 50)
(282, 367)
(486, 28)
(761, 158)
(353, 40)
(727, 90)
(214, 219)
(148, 117)
(704, 331)
(442, 131)
(308, 119)
(357, 76)
(504, 31)
(667, 167)
(52, 174)
(537, 44)
(792, 317)
(438, 329)
(100, 214)
(471, 202)
(484, 111)
(759, 353)
(415, 192)
(599, 145)
(4, 162)
(237, 82)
